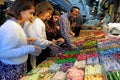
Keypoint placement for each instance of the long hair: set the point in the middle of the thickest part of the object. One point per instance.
(51, 24)
(42, 8)
(18, 6)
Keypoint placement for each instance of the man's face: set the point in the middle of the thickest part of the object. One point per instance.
(75, 13)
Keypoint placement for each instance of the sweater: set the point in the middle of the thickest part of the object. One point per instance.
(36, 29)
(13, 44)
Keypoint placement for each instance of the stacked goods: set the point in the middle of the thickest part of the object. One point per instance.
(109, 50)
(113, 75)
(86, 56)
(67, 59)
(77, 41)
(99, 34)
(95, 59)
(48, 62)
(92, 60)
(41, 71)
(95, 77)
(75, 74)
(66, 66)
(70, 60)
(96, 33)
(89, 44)
(94, 72)
(89, 54)
(86, 34)
(70, 54)
(108, 46)
(60, 75)
(54, 67)
(89, 47)
(80, 64)
(117, 57)
(111, 65)
(89, 51)
(106, 57)
(93, 69)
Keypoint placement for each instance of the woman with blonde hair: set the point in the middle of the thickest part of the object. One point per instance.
(37, 29)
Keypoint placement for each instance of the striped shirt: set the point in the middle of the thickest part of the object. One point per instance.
(64, 24)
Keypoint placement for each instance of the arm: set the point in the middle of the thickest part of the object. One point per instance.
(64, 29)
(12, 47)
(37, 30)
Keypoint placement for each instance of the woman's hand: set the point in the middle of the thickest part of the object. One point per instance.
(31, 40)
(37, 50)
(61, 40)
(54, 41)
(72, 33)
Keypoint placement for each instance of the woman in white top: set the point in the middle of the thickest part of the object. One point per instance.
(13, 42)
(37, 30)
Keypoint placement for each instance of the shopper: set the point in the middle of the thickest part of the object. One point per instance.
(66, 23)
(53, 30)
(13, 42)
(37, 29)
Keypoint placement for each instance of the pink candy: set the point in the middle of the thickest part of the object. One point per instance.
(75, 74)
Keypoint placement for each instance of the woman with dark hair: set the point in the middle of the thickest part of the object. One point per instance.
(53, 30)
(13, 42)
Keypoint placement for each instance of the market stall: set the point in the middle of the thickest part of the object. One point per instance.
(97, 58)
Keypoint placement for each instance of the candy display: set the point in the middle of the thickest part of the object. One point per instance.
(89, 44)
(75, 74)
(78, 41)
(113, 75)
(60, 75)
(96, 58)
(117, 56)
(54, 67)
(111, 65)
(86, 56)
(66, 66)
(80, 64)
(106, 57)
(92, 60)
(94, 77)
(93, 69)
(61, 61)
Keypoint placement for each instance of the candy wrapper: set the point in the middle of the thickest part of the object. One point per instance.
(80, 64)
(75, 74)
(59, 76)
(54, 67)
(93, 69)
